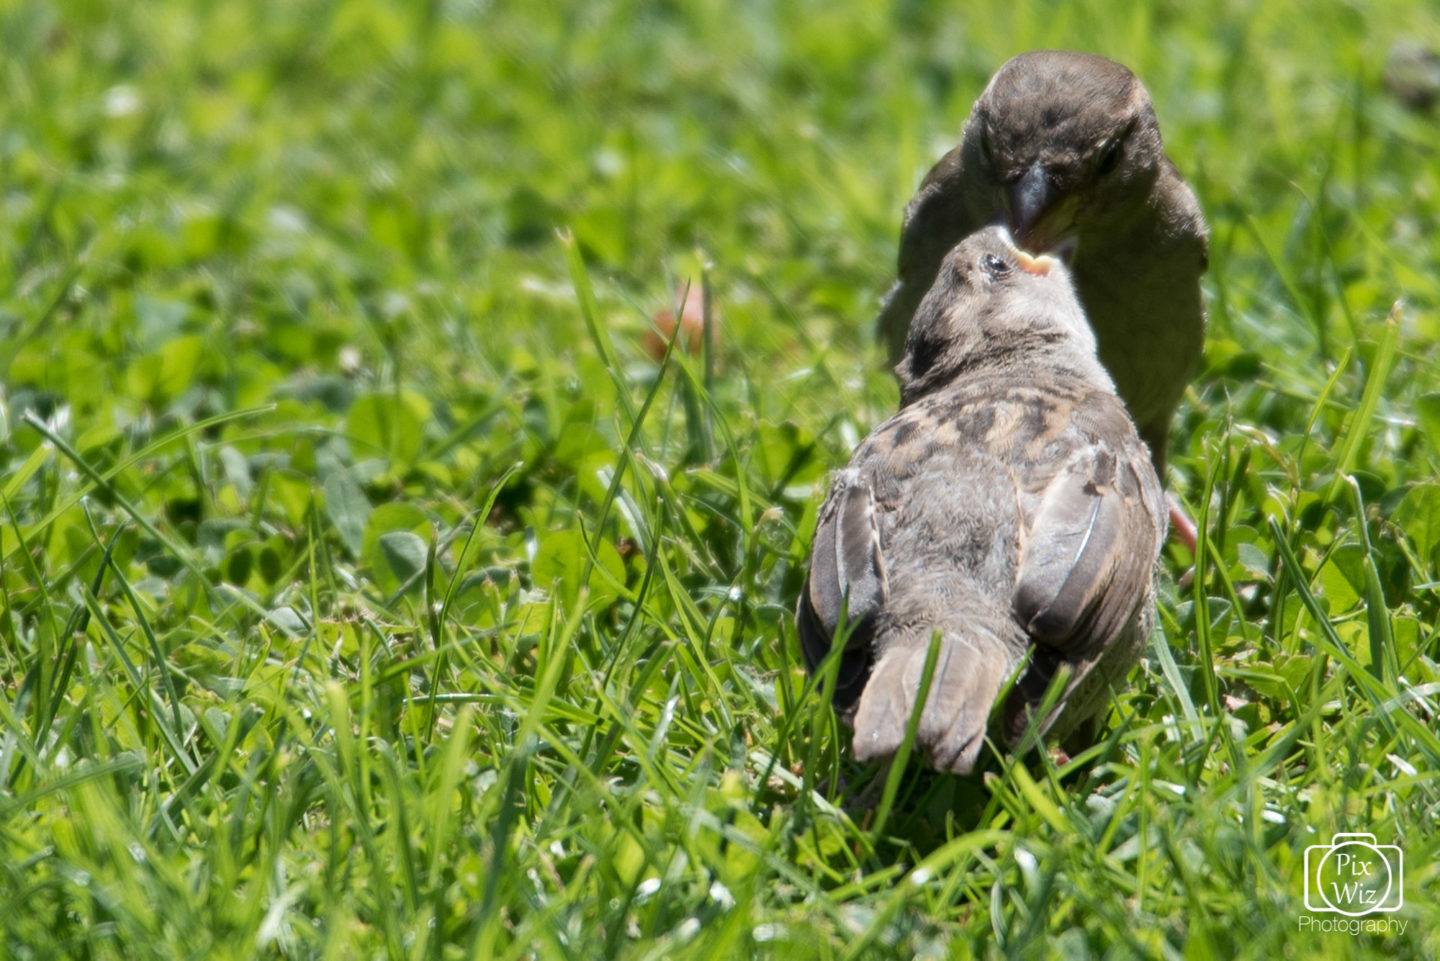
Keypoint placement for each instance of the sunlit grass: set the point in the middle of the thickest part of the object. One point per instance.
(370, 589)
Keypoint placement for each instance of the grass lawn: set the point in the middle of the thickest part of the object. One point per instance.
(368, 589)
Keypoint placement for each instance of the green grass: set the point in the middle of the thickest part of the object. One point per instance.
(369, 591)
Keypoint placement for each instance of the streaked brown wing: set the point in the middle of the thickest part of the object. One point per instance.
(847, 573)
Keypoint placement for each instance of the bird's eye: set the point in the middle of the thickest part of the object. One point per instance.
(994, 266)
(1111, 158)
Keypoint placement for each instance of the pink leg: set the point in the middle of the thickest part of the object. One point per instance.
(1182, 528)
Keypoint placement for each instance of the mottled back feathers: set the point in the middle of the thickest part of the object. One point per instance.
(1009, 506)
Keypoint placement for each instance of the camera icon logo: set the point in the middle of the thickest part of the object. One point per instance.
(1354, 876)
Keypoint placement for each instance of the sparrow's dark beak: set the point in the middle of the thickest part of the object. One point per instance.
(1031, 198)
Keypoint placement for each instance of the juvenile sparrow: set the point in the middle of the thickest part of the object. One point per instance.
(1064, 148)
(1009, 506)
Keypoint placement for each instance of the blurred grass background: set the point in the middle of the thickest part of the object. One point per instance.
(369, 590)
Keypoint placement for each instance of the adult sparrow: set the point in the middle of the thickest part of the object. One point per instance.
(1064, 148)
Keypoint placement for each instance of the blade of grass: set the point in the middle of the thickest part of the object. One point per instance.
(1377, 374)
(901, 760)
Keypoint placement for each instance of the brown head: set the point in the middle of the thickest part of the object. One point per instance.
(993, 306)
(1066, 143)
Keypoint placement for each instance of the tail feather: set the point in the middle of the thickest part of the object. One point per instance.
(952, 726)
